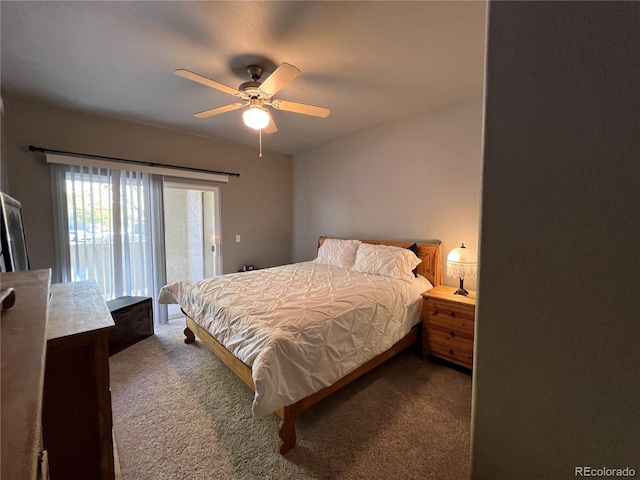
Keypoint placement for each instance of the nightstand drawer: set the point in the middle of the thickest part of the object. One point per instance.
(460, 357)
(449, 339)
(459, 320)
(450, 309)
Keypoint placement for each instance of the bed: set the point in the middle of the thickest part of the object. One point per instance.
(299, 332)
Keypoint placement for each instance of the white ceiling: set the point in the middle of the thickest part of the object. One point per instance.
(370, 62)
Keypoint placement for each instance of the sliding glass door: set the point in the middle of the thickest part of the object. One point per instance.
(211, 231)
(192, 233)
(192, 238)
(105, 220)
(133, 232)
(108, 218)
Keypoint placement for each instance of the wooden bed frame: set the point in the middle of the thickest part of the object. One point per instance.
(430, 268)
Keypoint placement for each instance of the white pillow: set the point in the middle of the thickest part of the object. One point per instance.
(394, 262)
(338, 252)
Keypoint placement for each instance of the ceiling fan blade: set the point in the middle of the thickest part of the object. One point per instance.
(218, 111)
(206, 81)
(271, 128)
(284, 74)
(301, 108)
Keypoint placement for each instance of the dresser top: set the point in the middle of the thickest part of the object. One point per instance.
(77, 308)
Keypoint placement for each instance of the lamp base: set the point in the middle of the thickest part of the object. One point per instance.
(461, 290)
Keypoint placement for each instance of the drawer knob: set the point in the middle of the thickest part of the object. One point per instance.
(453, 314)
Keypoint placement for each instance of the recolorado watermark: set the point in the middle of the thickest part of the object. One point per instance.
(604, 472)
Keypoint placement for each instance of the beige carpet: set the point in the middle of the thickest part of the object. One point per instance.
(179, 413)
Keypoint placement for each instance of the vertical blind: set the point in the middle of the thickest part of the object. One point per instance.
(106, 221)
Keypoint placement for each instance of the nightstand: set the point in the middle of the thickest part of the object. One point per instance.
(447, 325)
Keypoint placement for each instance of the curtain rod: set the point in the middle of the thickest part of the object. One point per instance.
(124, 160)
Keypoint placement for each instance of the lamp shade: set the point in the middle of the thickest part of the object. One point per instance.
(462, 262)
(256, 117)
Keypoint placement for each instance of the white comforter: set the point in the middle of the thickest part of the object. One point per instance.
(301, 327)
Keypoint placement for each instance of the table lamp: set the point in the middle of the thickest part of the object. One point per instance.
(462, 262)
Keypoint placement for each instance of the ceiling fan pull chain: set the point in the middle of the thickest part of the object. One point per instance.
(260, 132)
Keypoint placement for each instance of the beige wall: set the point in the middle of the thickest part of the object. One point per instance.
(4, 179)
(257, 205)
(414, 179)
(557, 367)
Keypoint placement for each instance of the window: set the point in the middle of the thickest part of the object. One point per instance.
(109, 223)
(107, 220)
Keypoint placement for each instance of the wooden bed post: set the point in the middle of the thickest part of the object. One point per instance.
(190, 336)
(287, 432)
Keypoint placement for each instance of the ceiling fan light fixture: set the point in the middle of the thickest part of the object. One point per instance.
(256, 117)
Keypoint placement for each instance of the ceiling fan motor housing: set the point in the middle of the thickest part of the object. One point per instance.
(249, 89)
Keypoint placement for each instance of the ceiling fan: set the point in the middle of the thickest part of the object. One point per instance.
(257, 95)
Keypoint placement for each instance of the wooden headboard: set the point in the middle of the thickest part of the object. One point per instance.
(429, 253)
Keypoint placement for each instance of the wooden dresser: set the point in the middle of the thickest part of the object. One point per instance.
(56, 402)
(23, 357)
(76, 415)
(448, 322)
